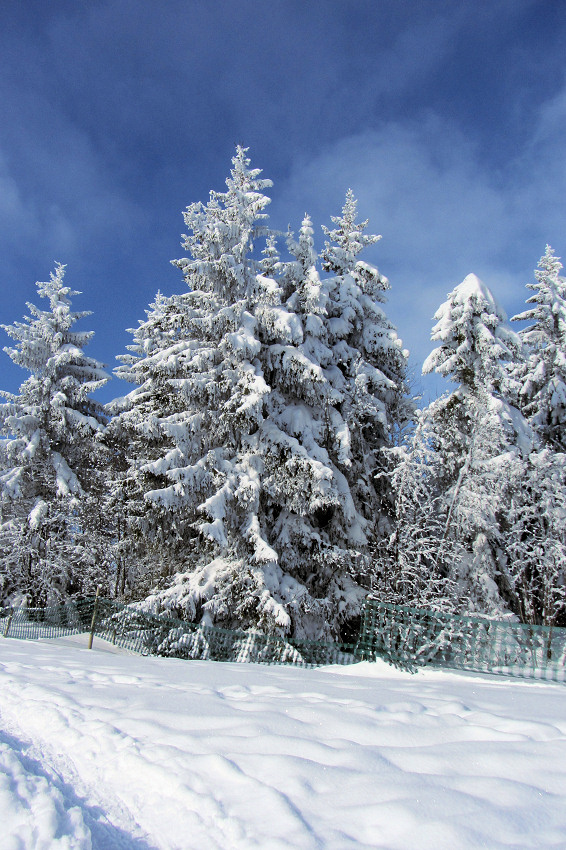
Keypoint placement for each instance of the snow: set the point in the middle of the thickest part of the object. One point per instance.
(101, 750)
(38, 514)
(65, 479)
(33, 445)
(473, 287)
(34, 813)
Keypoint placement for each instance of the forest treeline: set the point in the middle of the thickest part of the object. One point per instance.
(269, 468)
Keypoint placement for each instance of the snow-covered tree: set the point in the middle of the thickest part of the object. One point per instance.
(475, 340)
(269, 458)
(536, 540)
(475, 443)
(542, 377)
(369, 368)
(414, 560)
(318, 520)
(142, 548)
(49, 485)
(214, 389)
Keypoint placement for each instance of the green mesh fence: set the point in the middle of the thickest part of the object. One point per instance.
(50, 622)
(147, 634)
(413, 637)
(407, 637)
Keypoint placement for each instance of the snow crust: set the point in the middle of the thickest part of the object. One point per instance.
(107, 751)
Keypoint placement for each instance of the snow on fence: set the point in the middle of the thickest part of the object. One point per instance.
(413, 637)
(407, 637)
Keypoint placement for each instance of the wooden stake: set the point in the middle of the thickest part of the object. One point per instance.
(93, 623)
(9, 623)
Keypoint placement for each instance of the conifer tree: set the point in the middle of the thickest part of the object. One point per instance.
(317, 527)
(536, 540)
(200, 483)
(542, 377)
(49, 486)
(262, 476)
(134, 438)
(476, 445)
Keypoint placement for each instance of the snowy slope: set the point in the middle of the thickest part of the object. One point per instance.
(111, 751)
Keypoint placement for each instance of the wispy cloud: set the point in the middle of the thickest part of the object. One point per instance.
(441, 211)
(446, 120)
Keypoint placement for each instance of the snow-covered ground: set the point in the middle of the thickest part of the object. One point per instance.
(115, 751)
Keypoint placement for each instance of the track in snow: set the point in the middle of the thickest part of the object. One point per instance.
(139, 753)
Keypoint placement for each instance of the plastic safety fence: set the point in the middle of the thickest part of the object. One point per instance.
(50, 622)
(148, 634)
(411, 638)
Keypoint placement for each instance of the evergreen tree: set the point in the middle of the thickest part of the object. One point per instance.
(542, 377)
(203, 484)
(317, 523)
(143, 551)
(49, 486)
(369, 362)
(476, 443)
(536, 540)
(262, 479)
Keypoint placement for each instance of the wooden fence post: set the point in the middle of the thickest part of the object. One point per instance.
(93, 622)
(9, 623)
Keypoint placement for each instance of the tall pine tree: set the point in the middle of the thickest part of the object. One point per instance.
(536, 541)
(269, 460)
(198, 480)
(542, 377)
(51, 533)
(473, 444)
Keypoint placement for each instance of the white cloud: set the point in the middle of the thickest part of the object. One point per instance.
(441, 211)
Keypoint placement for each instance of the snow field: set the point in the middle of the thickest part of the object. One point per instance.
(108, 751)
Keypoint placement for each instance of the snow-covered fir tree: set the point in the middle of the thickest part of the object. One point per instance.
(414, 560)
(369, 367)
(475, 443)
(51, 534)
(217, 386)
(542, 377)
(331, 393)
(143, 550)
(536, 540)
(269, 476)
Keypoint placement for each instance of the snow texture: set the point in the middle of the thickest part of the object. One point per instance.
(103, 752)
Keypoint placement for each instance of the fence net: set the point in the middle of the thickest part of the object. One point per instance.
(149, 634)
(411, 638)
(404, 636)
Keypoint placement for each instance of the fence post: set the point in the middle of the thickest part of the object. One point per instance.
(9, 623)
(93, 622)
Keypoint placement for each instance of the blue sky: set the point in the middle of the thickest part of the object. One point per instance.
(447, 119)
